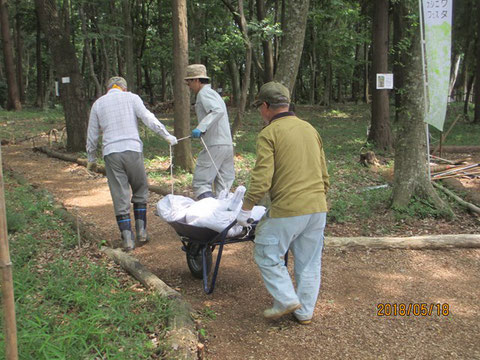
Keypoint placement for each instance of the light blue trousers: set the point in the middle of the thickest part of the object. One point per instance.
(303, 235)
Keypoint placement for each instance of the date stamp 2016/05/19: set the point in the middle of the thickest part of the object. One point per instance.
(413, 309)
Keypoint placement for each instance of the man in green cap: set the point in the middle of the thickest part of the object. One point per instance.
(291, 167)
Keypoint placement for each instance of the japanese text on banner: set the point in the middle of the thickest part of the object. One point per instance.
(438, 34)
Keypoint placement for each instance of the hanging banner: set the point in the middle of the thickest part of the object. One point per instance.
(438, 37)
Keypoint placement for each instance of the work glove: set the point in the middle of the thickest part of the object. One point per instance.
(172, 140)
(243, 216)
(196, 133)
(90, 166)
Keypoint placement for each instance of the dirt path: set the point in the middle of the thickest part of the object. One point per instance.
(346, 324)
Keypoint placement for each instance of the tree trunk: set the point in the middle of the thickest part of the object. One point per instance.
(235, 78)
(72, 93)
(266, 46)
(380, 133)
(13, 101)
(148, 86)
(19, 53)
(98, 88)
(467, 96)
(181, 105)
(410, 172)
(476, 118)
(292, 43)
(128, 46)
(454, 76)
(399, 55)
(248, 67)
(40, 96)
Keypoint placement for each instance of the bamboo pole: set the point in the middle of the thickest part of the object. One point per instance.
(10, 326)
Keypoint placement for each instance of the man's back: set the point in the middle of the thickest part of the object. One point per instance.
(300, 176)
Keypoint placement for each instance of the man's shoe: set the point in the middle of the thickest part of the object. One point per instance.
(302, 322)
(128, 241)
(277, 312)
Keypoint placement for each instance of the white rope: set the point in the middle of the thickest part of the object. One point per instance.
(171, 167)
(213, 162)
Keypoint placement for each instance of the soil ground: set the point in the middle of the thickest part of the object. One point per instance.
(355, 283)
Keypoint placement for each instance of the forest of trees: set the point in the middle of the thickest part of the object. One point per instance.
(133, 38)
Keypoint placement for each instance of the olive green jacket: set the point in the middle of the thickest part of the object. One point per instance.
(290, 166)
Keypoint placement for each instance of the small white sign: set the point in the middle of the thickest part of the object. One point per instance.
(65, 80)
(56, 89)
(384, 81)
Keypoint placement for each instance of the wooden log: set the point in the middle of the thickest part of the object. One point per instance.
(460, 149)
(425, 242)
(469, 206)
(182, 337)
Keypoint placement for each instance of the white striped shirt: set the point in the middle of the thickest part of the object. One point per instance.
(115, 115)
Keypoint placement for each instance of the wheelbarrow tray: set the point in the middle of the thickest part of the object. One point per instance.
(194, 233)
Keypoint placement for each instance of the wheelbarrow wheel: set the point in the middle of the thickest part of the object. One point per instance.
(194, 260)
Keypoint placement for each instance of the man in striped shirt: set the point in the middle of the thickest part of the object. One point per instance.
(115, 115)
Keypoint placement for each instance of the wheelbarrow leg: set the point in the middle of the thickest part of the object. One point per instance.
(209, 289)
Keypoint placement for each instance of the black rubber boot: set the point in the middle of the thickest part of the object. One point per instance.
(206, 194)
(125, 226)
(140, 211)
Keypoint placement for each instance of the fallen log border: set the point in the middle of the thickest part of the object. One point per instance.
(182, 336)
(424, 242)
(466, 204)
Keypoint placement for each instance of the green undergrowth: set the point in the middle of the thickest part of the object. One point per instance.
(354, 194)
(70, 304)
(29, 122)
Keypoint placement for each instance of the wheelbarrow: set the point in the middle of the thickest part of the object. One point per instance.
(199, 244)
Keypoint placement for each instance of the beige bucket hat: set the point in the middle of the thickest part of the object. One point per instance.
(196, 71)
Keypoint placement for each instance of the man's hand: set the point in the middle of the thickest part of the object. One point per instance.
(172, 140)
(196, 133)
(90, 166)
(243, 216)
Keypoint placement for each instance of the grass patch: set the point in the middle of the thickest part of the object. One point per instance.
(71, 305)
(29, 122)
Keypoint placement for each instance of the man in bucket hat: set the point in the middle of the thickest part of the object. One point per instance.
(291, 167)
(214, 128)
(115, 116)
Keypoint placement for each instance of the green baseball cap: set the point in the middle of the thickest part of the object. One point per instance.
(272, 93)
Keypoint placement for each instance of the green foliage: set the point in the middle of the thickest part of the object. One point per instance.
(67, 306)
(29, 122)
(419, 208)
(463, 132)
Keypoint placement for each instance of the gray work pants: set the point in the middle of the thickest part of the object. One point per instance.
(126, 170)
(205, 173)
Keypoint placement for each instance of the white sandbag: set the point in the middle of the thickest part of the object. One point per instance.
(211, 213)
(173, 207)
